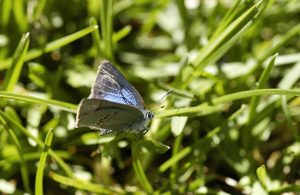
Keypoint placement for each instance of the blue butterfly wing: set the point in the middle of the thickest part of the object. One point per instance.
(111, 85)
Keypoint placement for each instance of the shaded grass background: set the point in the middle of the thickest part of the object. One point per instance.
(220, 131)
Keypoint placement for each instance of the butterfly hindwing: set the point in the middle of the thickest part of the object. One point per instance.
(108, 116)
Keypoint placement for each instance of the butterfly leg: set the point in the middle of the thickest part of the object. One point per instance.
(145, 130)
(123, 131)
(120, 132)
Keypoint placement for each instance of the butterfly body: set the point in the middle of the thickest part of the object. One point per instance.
(114, 105)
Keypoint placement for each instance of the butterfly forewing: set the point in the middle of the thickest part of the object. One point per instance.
(111, 85)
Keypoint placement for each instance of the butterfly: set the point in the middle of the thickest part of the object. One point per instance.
(114, 105)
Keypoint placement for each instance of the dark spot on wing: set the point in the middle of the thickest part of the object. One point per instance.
(102, 119)
(106, 116)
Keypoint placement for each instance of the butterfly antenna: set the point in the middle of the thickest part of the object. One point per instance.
(164, 96)
(157, 103)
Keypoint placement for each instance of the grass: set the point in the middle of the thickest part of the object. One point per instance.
(230, 125)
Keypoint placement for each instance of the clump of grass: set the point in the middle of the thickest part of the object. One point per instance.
(230, 124)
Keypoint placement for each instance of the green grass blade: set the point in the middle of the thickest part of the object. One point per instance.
(256, 92)
(169, 163)
(49, 102)
(292, 188)
(6, 6)
(42, 162)
(204, 109)
(175, 151)
(261, 84)
(20, 128)
(121, 34)
(200, 110)
(106, 27)
(83, 185)
(13, 73)
(262, 176)
(291, 77)
(280, 42)
(178, 124)
(187, 150)
(39, 9)
(34, 53)
(272, 50)
(182, 11)
(217, 54)
(205, 53)
(219, 45)
(229, 16)
(63, 41)
(138, 169)
(20, 16)
(174, 91)
(288, 117)
(24, 169)
(248, 135)
(31, 156)
(97, 38)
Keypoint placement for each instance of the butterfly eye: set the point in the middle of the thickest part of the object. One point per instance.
(149, 115)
